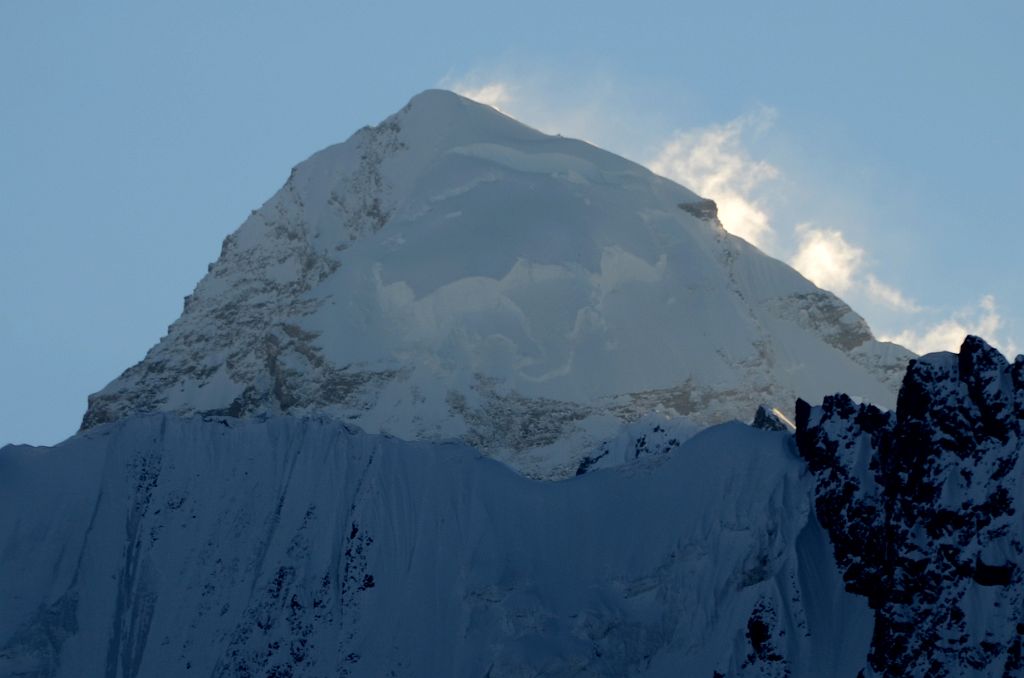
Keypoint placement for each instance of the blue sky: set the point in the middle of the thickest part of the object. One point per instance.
(876, 147)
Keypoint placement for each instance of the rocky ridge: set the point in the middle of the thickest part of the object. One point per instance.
(922, 508)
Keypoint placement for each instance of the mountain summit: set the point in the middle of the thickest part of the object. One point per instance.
(454, 274)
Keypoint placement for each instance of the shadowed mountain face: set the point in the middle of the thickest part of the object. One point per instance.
(453, 274)
(160, 546)
(285, 546)
(922, 507)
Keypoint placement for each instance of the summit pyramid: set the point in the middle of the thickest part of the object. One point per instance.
(454, 274)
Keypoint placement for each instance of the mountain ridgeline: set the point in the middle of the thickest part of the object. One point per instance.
(869, 543)
(460, 400)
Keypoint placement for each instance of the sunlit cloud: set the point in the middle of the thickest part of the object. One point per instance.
(714, 163)
(889, 296)
(982, 320)
(587, 112)
(495, 94)
(825, 258)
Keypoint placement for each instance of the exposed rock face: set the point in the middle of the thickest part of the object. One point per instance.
(702, 209)
(770, 419)
(922, 508)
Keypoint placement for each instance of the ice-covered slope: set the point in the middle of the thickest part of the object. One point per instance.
(160, 546)
(453, 274)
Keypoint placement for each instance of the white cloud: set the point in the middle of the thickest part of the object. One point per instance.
(889, 296)
(826, 259)
(714, 163)
(494, 94)
(983, 320)
(584, 110)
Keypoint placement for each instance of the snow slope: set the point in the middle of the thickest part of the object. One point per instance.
(160, 546)
(454, 274)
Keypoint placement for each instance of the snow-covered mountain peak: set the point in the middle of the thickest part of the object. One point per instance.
(452, 273)
(441, 120)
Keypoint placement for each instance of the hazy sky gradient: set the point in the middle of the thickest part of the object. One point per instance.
(135, 136)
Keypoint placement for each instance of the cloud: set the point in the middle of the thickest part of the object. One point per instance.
(825, 258)
(713, 162)
(983, 320)
(586, 109)
(889, 296)
(494, 94)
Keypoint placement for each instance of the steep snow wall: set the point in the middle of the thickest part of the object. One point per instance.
(161, 546)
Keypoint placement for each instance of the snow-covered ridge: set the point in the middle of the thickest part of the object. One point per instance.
(160, 546)
(873, 543)
(454, 274)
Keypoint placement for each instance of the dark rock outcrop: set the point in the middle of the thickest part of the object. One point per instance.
(921, 506)
(770, 419)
